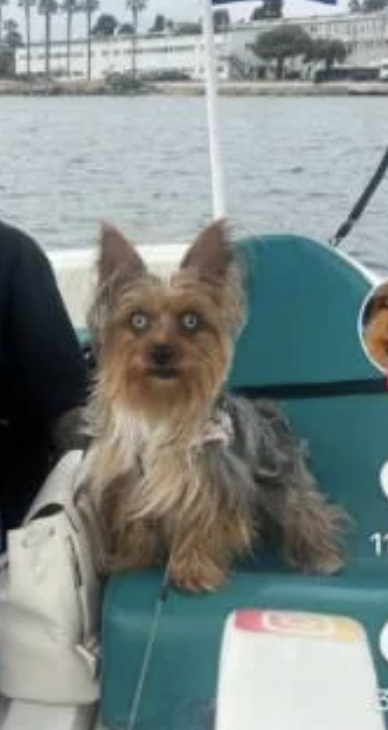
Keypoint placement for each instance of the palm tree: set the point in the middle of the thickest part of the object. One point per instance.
(27, 5)
(136, 7)
(47, 8)
(89, 7)
(70, 7)
(2, 4)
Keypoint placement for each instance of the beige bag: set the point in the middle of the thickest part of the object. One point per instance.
(50, 597)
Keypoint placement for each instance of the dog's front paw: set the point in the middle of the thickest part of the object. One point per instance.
(197, 578)
(322, 562)
(327, 563)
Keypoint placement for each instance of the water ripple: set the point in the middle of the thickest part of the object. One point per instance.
(291, 164)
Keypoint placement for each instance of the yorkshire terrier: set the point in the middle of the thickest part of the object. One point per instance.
(180, 471)
(375, 326)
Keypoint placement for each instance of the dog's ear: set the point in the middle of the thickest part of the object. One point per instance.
(211, 254)
(118, 256)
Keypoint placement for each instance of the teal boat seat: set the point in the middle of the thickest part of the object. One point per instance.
(304, 300)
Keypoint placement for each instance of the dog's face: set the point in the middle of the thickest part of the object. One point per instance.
(164, 347)
(376, 327)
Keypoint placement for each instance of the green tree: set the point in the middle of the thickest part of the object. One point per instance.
(125, 29)
(135, 7)
(47, 8)
(7, 63)
(69, 7)
(367, 6)
(27, 6)
(187, 28)
(329, 51)
(160, 24)
(355, 6)
(282, 43)
(221, 20)
(268, 9)
(371, 6)
(105, 25)
(12, 39)
(3, 3)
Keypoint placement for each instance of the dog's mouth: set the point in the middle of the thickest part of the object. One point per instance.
(163, 373)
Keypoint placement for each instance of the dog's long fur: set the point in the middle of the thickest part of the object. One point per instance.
(166, 492)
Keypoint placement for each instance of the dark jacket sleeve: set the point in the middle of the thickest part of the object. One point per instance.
(46, 362)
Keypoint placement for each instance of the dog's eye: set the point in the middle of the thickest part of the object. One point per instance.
(378, 303)
(138, 321)
(190, 321)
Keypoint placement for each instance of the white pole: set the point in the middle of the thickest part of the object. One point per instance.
(219, 204)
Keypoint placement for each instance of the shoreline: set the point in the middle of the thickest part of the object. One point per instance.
(282, 88)
(184, 89)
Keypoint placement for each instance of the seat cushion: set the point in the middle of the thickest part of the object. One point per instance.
(304, 301)
(304, 304)
(180, 685)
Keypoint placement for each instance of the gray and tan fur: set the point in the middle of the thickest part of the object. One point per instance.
(178, 470)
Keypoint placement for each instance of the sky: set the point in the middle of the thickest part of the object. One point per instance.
(178, 10)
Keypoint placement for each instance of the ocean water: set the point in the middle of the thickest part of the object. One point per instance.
(291, 164)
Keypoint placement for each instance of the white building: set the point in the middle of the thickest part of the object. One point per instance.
(155, 54)
(365, 37)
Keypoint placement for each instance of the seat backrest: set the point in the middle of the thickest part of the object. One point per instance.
(304, 303)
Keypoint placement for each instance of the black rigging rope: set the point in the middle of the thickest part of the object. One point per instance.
(362, 202)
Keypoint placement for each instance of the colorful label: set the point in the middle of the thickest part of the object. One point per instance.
(308, 625)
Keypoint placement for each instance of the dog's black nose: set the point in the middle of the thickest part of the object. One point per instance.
(162, 354)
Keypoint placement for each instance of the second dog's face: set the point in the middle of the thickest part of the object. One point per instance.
(375, 326)
(166, 345)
